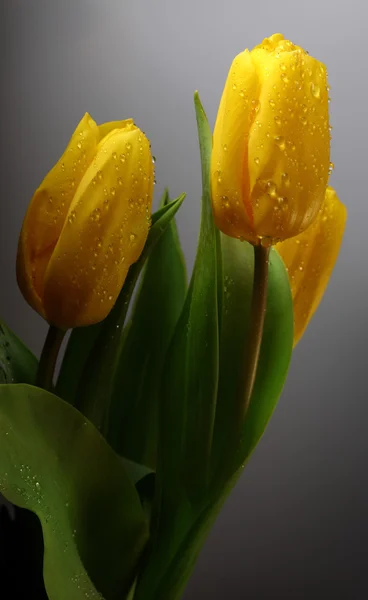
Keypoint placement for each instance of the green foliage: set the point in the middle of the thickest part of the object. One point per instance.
(56, 464)
(132, 429)
(200, 456)
(17, 363)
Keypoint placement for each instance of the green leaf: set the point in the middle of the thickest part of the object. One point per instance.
(277, 342)
(81, 341)
(188, 400)
(17, 363)
(168, 571)
(56, 464)
(133, 419)
(144, 480)
(85, 348)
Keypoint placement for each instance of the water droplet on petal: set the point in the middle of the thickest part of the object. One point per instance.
(271, 188)
(72, 216)
(315, 90)
(285, 179)
(280, 141)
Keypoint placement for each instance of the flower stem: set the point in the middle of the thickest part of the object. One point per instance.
(49, 354)
(257, 317)
(226, 470)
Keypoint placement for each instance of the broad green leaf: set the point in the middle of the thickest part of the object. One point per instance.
(188, 396)
(238, 261)
(133, 422)
(84, 347)
(17, 363)
(56, 464)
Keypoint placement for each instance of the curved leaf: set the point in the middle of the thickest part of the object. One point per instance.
(55, 463)
(17, 363)
(188, 397)
(133, 419)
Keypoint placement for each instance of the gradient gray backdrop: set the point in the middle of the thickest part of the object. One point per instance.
(296, 526)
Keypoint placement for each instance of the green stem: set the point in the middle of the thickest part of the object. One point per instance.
(245, 387)
(257, 317)
(49, 354)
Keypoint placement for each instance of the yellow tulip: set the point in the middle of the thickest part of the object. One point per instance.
(310, 258)
(86, 224)
(271, 144)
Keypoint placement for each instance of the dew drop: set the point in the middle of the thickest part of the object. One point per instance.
(225, 147)
(96, 215)
(331, 168)
(114, 155)
(132, 237)
(280, 141)
(120, 181)
(271, 188)
(256, 160)
(285, 179)
(277, 120)
(112, 191)
(315, 90)
(79, 145)
(272, 103)
(99, 175)
(122, 158)
(225, 201)
(72, 216)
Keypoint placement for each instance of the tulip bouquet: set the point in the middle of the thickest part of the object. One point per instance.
(164, 389)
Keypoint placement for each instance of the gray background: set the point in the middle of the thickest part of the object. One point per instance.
(296, 526)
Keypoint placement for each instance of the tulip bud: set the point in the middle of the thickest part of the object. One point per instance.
(271, 144)
(86, 224)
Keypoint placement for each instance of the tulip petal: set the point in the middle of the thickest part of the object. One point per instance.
(229, 175)
(106, 128)
(104, 233)
(310, 258)
(289, 141)
(48, 208)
